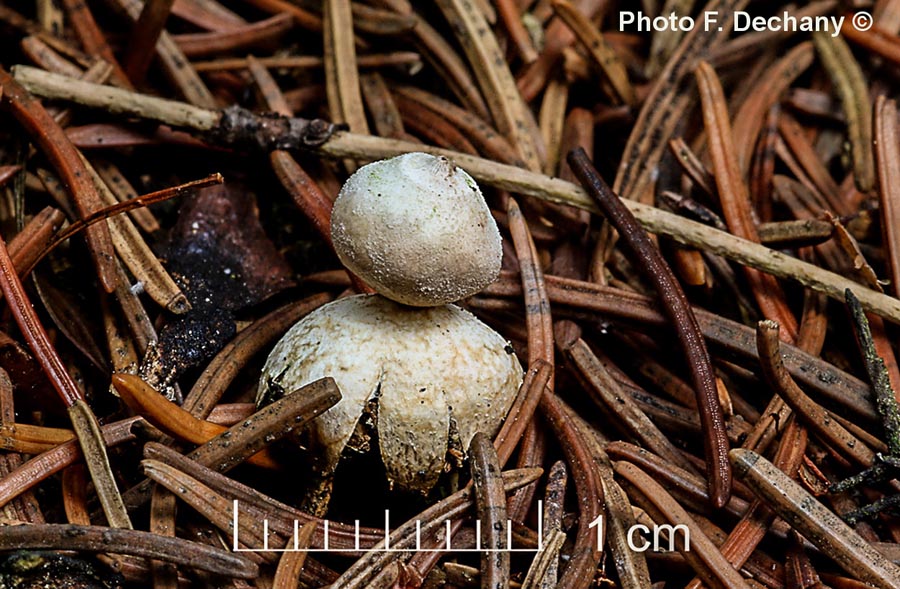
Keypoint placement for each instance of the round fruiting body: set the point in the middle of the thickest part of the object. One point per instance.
(416, 228)
(424, 375)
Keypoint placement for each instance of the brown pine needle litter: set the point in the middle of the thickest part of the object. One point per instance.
(698, 209)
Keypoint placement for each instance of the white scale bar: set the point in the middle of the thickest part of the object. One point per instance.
(236, 547)
(234, 527)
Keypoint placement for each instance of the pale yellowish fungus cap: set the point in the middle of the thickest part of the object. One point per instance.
(416, 228)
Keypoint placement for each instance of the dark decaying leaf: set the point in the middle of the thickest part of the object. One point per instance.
(219, 241)
(70, 319)
(221, 258)
(30, 381)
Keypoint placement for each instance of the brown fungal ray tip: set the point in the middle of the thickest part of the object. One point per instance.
(676, 307)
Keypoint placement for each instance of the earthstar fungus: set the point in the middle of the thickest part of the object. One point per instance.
(420, 375)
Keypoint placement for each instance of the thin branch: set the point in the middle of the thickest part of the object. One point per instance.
(343, 144)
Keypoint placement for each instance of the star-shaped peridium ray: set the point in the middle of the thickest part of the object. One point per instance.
(887, 464)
